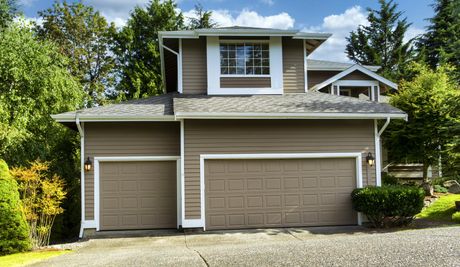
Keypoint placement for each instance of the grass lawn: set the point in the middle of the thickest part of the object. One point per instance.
(21, 259)
(441, 210)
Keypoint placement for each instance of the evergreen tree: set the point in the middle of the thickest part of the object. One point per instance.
(84, 36)
(441, 43)
(202, 19)
(382, 41)
(137, 48)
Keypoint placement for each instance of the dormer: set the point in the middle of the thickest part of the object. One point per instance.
(237, 60)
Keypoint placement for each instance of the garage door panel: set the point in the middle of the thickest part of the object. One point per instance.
(137, 195)
(285, 193)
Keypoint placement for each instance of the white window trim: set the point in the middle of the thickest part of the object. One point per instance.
(203, 157)
(225, 41)
(370, 84)
(305, 66)
(97, 161)
(213, 69)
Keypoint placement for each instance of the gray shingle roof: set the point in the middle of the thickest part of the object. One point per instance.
(296, 104)
(156, 106)
(314, 64)
(311, 104)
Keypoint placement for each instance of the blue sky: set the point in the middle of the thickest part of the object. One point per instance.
(338, 17)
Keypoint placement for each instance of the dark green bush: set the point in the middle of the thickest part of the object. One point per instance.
(440, 189)
(388, 205)
(14, 232)
(388, 179)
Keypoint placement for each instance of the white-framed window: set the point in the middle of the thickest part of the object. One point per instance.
(244, 59)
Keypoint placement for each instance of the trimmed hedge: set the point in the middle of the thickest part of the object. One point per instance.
(388, 205)
(14, 231)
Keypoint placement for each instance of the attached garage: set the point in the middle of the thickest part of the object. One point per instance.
(137, 194)
(288, 192)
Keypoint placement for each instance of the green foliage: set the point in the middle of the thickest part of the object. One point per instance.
(431, 101)
(441, 43)
(28, 258)
(84, 36)
(388, 205)
(42, 195)
(35, 83)
(382, 42)
(201, 19)
(8, 11)
(14, 234)
(388, 179)
(456, 217)
(137, 48)
(441, 210)
(440, 189)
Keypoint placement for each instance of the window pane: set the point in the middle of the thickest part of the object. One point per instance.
(232, 62)
(249, 70)
(244, 59)
(265, 70)
(223, 47)
(258, 70)
(223, 54)
(231, 70)
(240, 62)
(231, 54)
(257, 62)
(265, 62)
(240, 70)
(240, 51)
(265, 54)
(264, 46)
(223, 70)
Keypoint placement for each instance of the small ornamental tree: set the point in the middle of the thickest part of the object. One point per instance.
(42, 195)
(14, 235)
(431, 100)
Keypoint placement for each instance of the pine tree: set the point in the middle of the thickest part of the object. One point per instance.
(441, 43)
(8, 11)
(202, 20)
(382, 41)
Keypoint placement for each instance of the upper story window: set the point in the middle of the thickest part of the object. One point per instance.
(244, 59)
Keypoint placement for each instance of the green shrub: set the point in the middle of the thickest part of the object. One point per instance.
(388, 179)
(388, 205)
(14, 232)
(441, 180)
(440, 189)
(456, 217)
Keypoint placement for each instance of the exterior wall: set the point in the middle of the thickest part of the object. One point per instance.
(127, 139)
(316, 77)
(270, 136)
(293, 66)
(194, 66)
(357, 75)
(245, 82)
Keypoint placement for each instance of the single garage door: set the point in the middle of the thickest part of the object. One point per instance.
(279, 193)
(137, 195)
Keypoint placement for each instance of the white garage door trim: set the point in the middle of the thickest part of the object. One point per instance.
(97, 160)
(202, 222)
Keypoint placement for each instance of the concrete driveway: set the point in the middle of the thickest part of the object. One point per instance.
(274, 247)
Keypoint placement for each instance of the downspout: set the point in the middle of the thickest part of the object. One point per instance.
(82, 173)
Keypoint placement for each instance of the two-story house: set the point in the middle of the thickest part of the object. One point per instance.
(249, 134)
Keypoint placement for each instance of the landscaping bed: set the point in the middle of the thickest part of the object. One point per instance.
(21, 259)
(440, 212)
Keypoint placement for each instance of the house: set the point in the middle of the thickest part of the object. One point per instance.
(249, 134)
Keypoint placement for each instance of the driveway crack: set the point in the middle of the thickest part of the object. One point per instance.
(196, 251)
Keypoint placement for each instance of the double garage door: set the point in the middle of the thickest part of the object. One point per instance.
(250, 193)
(279, 193)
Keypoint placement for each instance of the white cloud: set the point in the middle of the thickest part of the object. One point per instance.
(116, 11)
(267, 2)
(413, 32)
(250, 18)
(340, 26)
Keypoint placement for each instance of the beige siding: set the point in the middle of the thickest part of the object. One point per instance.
(316, 77)
(293, 66)
(269, 136)
(194, 68)
(357, 75)
(245, 82)
(127, 139)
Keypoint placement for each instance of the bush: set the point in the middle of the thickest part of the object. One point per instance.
(14, 232)
(456, 217)
(440, 189)
(388, 205)
(388, 179)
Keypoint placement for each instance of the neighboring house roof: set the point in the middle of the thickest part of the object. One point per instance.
(157, 107)
(314, 64)
(303, 105)
(355, 67)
